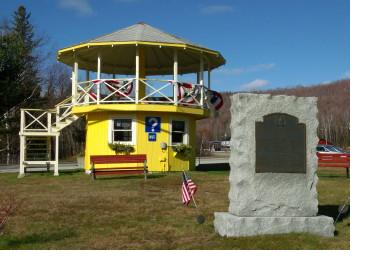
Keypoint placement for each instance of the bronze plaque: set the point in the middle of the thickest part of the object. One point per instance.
(280, 144)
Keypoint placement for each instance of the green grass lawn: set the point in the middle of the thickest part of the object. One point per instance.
(73, 212)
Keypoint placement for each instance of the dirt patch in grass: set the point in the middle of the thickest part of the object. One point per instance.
(73, 212)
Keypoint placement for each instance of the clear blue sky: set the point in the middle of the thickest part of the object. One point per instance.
(267, 44)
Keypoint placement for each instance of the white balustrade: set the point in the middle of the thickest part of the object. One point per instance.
(104, 91)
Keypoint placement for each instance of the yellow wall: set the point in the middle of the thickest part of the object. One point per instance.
(157, 159)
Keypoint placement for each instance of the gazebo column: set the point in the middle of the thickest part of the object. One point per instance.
(98, 75)
(87, 78)
(140, 73)
(208, 76)
(201, 71)
(175, 78)
(75, 75)
(201, 80)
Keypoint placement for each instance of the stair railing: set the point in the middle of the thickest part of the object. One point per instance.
(36, 120)
(63, 109)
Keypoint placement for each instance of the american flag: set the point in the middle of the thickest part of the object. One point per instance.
(188, 189)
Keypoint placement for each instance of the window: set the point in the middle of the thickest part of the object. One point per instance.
(178, 132)
(122, 130)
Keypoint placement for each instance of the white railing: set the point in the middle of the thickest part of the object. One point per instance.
(104, 91)
(63, 110)
(36, 120)
(150, 91)
(42, 120)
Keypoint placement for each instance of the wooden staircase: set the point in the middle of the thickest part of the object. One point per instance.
(38, 129)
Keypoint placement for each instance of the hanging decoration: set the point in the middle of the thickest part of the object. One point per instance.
(121, 88)
(188, 92)
(215, 99)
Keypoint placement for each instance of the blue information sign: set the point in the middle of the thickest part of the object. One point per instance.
(153, 124)
(152, 137)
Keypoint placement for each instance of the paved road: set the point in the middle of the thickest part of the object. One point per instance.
(211, 160)
(15, 168)
(74, 166)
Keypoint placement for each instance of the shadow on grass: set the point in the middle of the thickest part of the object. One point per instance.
(151, 176)
(321, 174)
(50, 173)
(71, 172)
(332, 211)
(39, 238)
(213, 167)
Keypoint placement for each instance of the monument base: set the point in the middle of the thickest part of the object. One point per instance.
(229, 225)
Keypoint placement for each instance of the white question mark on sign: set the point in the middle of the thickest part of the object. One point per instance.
(153, 121)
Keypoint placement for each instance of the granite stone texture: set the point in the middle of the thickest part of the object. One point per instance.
(229, 225)
(270, 194)
(271, 203)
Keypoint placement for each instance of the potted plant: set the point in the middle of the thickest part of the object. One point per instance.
(121, 148)
(182, 149)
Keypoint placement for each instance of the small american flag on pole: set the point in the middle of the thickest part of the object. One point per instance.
(188, 189)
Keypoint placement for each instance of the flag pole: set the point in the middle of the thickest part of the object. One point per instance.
(192, 196)
(196, 206)
(200, 218)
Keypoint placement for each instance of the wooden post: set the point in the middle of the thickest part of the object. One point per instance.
(56, 155)
(202, 96)
(201, 72)
(49, 148)
(57, 114)
(49, 121)
(22, 144)
(175, 78)
(22, 156)
(98, 74)
(75, 75)
(86, 99)
(201, 80)
(137, 75)
(98, 84)
(208, 76)
(22, 120)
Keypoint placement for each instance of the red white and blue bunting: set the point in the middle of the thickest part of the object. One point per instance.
(215, 99)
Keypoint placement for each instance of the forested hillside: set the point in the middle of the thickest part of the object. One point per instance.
(333, 113)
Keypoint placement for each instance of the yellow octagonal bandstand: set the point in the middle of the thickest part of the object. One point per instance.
(131, 106)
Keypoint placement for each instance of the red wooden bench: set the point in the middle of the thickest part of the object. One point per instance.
(140, 159)
(341, 160)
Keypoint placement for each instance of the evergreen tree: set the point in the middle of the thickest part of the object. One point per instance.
(10, 69)
(19, 76)
(23, 32)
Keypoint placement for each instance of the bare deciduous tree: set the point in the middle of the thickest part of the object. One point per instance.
(333, 113)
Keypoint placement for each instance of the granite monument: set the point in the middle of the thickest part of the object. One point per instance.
(273, 168)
